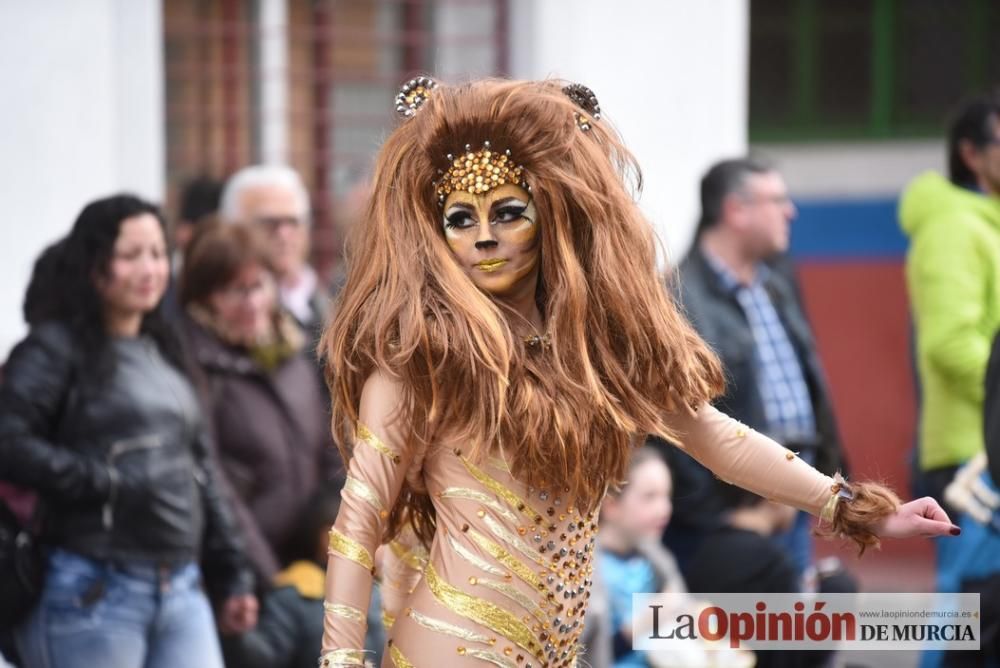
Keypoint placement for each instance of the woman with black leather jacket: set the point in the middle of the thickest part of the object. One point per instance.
(98, 417)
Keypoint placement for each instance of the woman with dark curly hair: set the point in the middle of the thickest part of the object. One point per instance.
(98, 417)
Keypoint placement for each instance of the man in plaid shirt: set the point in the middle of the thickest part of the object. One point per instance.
(741, 296)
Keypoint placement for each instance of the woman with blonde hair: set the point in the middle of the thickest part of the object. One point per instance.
(502, 342)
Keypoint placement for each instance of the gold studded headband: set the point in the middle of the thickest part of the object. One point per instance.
(478, 172)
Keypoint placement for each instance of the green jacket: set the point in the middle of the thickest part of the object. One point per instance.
(953, 276)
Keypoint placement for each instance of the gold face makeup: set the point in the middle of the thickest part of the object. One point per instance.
(492, 265)
(494, 236)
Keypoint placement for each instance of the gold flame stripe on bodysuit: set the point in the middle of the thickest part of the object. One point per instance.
(484, 613)
(474, 559)
(349, 548)
(447, 628)
(343, 657)
(398, 660)
(517, 596)
(490, 657)
(498, 488)
(360, 489)
(476, 495)
(344, 611)
(512, 563)
(503, 532)
(373, 441)
(414, 557)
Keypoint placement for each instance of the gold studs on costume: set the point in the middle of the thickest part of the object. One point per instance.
(478, 172)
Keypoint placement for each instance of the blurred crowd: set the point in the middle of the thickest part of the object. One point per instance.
(165, 430)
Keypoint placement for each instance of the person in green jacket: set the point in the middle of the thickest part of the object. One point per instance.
(953, 277)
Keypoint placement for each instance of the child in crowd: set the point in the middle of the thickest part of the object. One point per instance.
(631, 560)
(630, 557)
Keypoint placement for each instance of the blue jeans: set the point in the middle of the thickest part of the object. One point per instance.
(798, 541)
(94, 613)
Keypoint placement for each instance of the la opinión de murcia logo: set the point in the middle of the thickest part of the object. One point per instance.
(803, 621)
(715, 624)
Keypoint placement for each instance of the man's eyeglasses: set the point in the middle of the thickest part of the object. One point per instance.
(238, 293)
(777, 200)
(273, 223)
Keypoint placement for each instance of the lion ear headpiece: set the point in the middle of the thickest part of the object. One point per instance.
(586, 100)
(413, 94)
(479, 171)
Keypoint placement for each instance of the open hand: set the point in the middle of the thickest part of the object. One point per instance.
(920, 517)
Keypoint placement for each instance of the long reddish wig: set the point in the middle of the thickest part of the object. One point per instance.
(621, 353)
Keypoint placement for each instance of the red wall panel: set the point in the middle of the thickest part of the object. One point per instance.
(860, 316)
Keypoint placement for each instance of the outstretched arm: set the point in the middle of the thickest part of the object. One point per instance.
(375, 476)
(744, 457)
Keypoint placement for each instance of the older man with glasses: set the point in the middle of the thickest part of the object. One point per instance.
(274, 198)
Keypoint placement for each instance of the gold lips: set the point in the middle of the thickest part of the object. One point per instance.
(492, 264)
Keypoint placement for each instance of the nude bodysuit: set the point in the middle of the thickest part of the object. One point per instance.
(508, 575)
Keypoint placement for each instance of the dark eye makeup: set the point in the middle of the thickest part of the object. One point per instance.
(510, 213)
(504, 211)
(460, 218)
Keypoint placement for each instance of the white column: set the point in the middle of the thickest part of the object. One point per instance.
(82, 118)
(137, 70)
(670, 75)
(273, 83)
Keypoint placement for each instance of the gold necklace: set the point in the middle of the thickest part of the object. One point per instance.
(542, 341)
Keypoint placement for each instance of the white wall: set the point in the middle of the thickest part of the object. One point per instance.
(82, 117)
(854, 170)
(671, 75)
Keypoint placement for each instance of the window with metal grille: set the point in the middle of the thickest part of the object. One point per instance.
(866, 68)
(344, 62)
